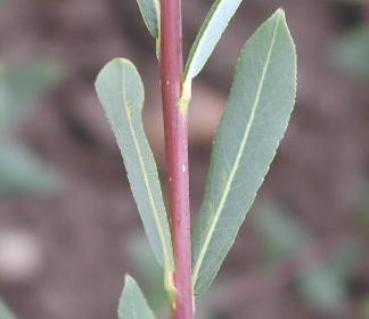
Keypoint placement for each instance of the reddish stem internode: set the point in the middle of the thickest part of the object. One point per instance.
(176, 141)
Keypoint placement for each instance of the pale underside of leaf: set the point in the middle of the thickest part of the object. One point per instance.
(150, 11)
(121, 93)
(254, 122)
(132, 304)
(209, 35)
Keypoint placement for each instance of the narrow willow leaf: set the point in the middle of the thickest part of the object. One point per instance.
(150, 10)
(254, 122)
(210, 32)
(121, 93)
(132, 304)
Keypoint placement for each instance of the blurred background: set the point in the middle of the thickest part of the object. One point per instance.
(69, 228)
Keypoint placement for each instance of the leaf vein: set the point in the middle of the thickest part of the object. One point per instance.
(128, 108)
(232, 174)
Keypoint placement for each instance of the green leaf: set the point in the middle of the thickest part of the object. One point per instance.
(5, 312)
(150, 10)
(132, 304)
(254, 122)
(144, 264)
(121, 93)
(210, 32)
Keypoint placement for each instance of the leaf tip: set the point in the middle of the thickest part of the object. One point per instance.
(114, 65)
(281, 13)
(109, 64)
(128, 279)
(280, 16)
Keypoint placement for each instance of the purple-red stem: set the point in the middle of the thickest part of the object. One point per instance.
(176, 144)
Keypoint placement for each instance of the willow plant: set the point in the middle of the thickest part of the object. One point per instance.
(254, 121)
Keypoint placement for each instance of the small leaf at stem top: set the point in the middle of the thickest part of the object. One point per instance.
(121, 93)
(207, 38)
(254, 122)
(132, 304)
(150, 10)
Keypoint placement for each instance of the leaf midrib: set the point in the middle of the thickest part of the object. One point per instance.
(237, 161)
(133, 307)
(126, 104)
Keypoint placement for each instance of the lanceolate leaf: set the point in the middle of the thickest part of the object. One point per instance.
(133, 304)
(121, 93)
(210, 32)
(258, 111)
(150, 10)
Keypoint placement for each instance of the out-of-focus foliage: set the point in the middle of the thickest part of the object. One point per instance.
(324, 284)
(21, 172)
(282, 234)
(365, 307)
(5, 312)
(361, 217)
(21, 87)
(322, 278)
(352, 51)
